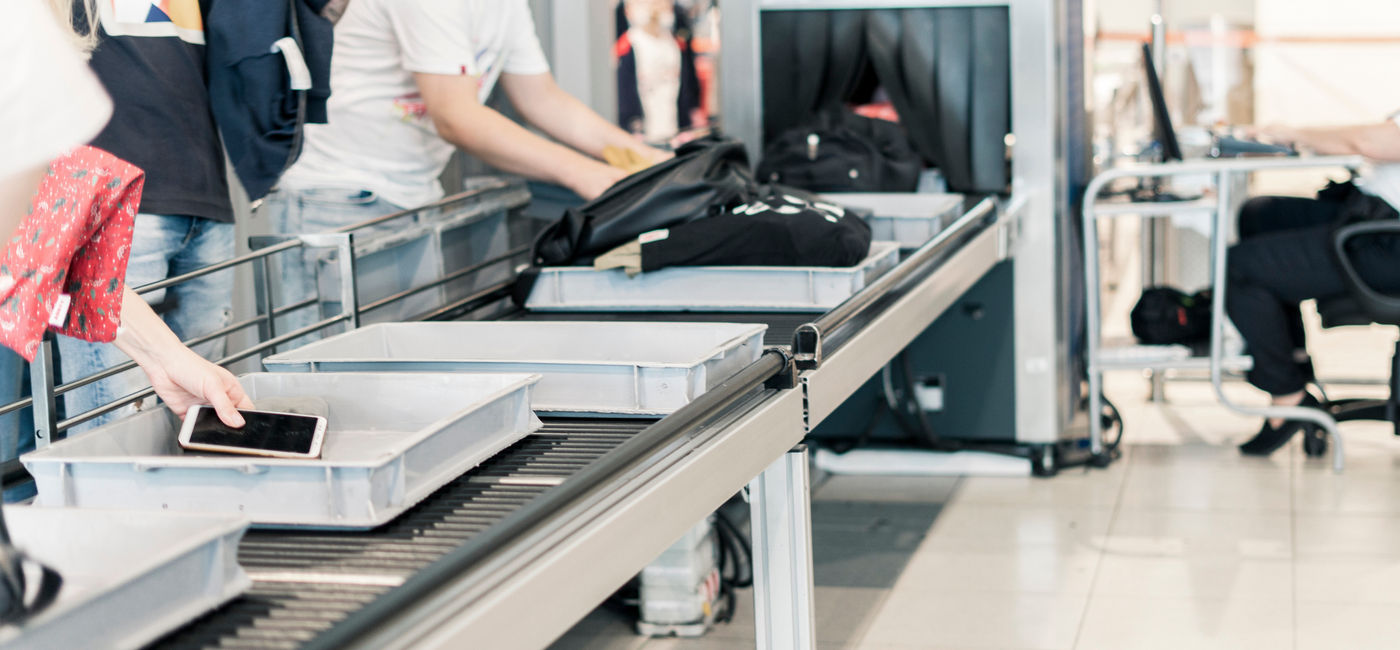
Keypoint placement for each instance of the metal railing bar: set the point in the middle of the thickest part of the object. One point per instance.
(455, 275)
(224, 331)
(238, 356)
(218, 266)
(500, 184)
(469, 304)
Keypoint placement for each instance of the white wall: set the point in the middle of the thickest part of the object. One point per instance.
(1326, 83)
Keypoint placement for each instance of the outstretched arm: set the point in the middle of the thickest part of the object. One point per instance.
(1379, 142)
(461, 119)
(180, 377)
(544, 104)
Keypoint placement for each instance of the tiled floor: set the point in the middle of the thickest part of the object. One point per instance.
(1181, 545)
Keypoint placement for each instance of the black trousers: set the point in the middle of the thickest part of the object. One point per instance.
(1282, 259)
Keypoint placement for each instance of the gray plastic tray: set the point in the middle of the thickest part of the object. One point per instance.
(128, 577)
(392, 439)
(585, 367)
(908, 218)
(710, 288)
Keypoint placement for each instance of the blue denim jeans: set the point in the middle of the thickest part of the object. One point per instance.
(300, 274)
(16, 429)
(161, 247)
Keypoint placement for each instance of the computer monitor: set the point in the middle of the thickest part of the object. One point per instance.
(1161, 120)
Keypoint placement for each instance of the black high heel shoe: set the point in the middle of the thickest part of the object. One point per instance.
(1269, 439)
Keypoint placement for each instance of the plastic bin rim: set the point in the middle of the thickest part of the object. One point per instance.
(749, 330)
(878, 249)
(240, 463)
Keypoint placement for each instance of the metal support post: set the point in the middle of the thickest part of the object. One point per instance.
(781, 516)
(41, 378)
(344, 245)
(1157, 389)
(267, 306)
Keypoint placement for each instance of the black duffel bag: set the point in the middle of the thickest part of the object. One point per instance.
(706, 177)
(1166, 316)
(840, 151)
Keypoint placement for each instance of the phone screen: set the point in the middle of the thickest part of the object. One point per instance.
(282, 432)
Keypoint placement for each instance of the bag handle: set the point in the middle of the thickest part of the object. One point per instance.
(14, 607)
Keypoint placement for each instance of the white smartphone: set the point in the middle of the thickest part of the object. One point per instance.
(279, 435)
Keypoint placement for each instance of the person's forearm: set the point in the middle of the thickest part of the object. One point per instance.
(1379, 142)
(573, 123)
(503, 144)
(143, 336)
(1336, 141)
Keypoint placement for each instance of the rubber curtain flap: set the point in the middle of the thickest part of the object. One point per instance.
(795, 60)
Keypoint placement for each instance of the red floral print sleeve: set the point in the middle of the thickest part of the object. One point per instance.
(63, 267)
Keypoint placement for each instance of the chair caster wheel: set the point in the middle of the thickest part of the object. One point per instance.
(1315, 442)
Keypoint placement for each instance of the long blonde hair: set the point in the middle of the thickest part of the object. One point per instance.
(86, 39)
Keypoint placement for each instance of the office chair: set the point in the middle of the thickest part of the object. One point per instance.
(1363, 305)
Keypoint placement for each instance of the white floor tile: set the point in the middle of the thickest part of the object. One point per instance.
(1328, 536)
(1205, 488)
(1114, 623)
(1217, 456)
(1351, 493)
(1194, 576)
(1180, 533)
(1371, 448)
(978, 620)
(1027, 569)
(1098, 488)
(1374, 581)
(1350, 626)
(976, 527)
(888, 489)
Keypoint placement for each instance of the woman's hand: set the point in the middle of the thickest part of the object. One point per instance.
(186, 380)
(594, 179)
(179, 376)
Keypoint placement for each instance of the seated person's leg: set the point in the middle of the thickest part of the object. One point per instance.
(1264, 214)
(1269, 274)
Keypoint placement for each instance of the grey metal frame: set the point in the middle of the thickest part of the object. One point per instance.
(1043, 411)
(781, 520)
(1220, 171)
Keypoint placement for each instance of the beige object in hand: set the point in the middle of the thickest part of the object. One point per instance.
(626, 159)
(627, 257)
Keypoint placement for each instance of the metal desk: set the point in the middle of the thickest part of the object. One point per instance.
(1220, 171)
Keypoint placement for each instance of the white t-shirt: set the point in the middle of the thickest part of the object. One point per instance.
(1383, 179)
(379, 136)
(50, 101)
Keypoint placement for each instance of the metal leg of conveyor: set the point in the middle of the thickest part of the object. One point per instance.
(781, 513)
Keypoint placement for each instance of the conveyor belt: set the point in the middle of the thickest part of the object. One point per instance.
(306, 581)
(780, 325)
